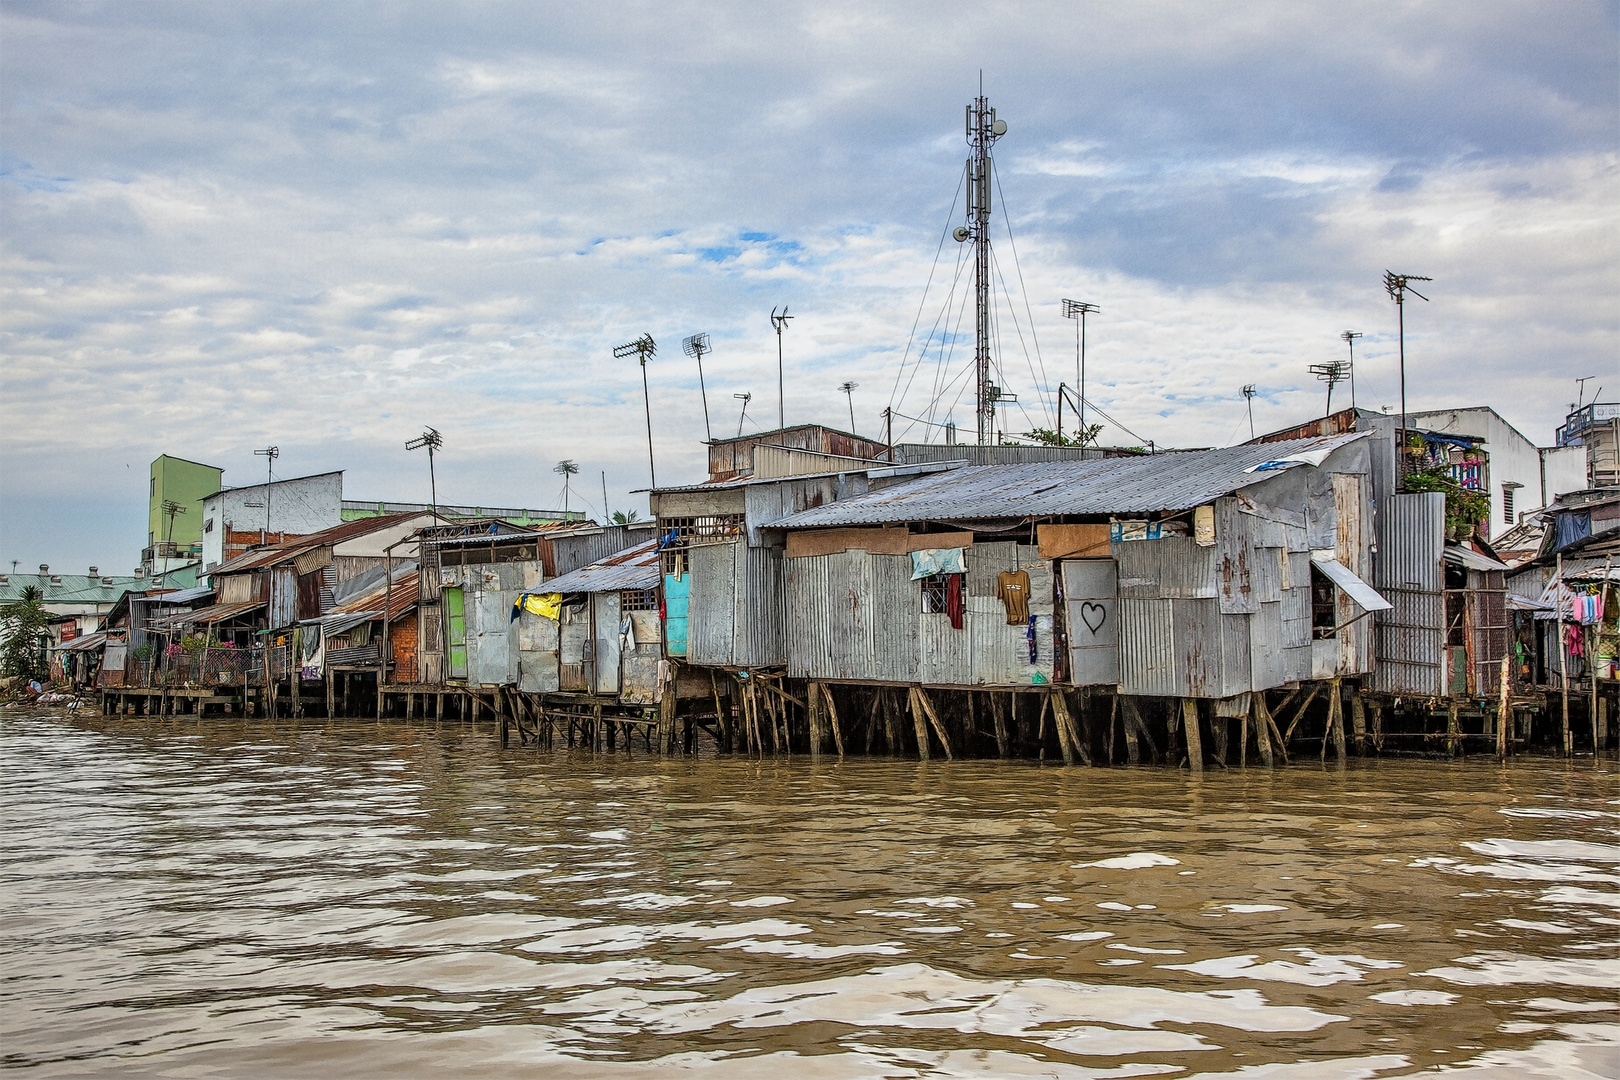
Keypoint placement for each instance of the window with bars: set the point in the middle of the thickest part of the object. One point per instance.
(694, 531)
(933, 594)
(638, 600)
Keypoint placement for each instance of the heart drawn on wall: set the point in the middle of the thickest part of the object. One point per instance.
(1093, 615)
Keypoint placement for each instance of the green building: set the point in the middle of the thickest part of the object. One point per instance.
(174, 512)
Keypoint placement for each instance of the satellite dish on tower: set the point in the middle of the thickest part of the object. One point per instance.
(961, 233)
(999, 128)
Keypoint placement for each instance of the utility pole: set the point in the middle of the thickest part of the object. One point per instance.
(983, 129)
(1078, 310)
(643, 347)
(888, 432)
(607, 518)
(780, 323)
(269, 453)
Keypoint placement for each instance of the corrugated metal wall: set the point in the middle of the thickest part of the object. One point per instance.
(1409, 640)
(570, 553)
(735, 608)
(853, 615)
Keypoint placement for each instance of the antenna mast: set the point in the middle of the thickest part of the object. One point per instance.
(983, 129)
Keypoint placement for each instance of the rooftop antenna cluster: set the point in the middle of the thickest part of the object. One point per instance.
(269, 453)
(642, 348)
(568, 469)
(432, 441)
(695, 346)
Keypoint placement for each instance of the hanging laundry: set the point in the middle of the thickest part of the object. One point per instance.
(1029, 636)
(954, 607)
(1012, 589)
(1572, 640)
(930, 561)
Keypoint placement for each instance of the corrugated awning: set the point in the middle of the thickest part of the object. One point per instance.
(1351, 585)
(1460, 555)
(211, 614)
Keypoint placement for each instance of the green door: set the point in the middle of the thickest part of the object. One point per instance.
(455, 614)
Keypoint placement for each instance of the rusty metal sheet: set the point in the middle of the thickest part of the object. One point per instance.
(1232, 555)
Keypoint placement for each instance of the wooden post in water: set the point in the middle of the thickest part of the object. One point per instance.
(1563, 661)
(832, 714)
(666, 717)
(1133, 722)
(891, 726)
(814, 706)
(1504, 715)
(933, 718)
(919, 721)
(1453, 730)
(1195, 743)
(1336, 721)
(1058, 721)
(1358, 723)
(1065, 723)
(1262, 726)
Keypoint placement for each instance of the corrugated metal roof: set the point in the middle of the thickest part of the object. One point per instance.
(632, 568)
(400, 598)
(212, 613)
(1044, 489)
(290, 549)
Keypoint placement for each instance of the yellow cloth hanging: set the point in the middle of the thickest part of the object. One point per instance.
(546, 605)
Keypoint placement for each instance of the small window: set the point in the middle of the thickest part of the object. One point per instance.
(638, 600)
(1507, 503)
(1324, 609)
(933, 594)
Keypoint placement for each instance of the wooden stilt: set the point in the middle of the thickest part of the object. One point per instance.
(997, 716)
(1113, 721)
(919, 721)
(1335, 722)
(891, 724)
(872, 720)
(814, 714)
(1377, 728)
(1453, 730)
(832, 715)
(1133, 722)
(1299, 714)
(1069, 740)
(1219, 735)
(1358, 723)
(933, 719)
(666, 718)
(1065, 745)
(1195, 744)
(1262, 726)
(722, 722)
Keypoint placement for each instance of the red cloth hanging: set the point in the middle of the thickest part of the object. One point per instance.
(953, 599)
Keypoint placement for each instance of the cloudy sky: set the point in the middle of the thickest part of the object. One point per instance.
(324, 226)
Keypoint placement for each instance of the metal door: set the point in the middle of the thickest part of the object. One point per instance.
(1091, 599)
(455, 617)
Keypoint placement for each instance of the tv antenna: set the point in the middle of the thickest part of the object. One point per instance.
(848, 389)
(1078, 310)
(1332, 373)
(567, 469)
(1248, 396)
(983, 129)
(171, 508)
(780, 323)
(1349, 338)
(431, 439)
(1397, 285)
(1581, 386)
(642, 347)
(695, 347)
(745, 399)
(269, 453)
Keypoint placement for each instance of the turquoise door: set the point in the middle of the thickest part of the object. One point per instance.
(676, 589)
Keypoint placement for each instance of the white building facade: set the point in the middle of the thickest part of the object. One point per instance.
(1520, 476)
(236, 518)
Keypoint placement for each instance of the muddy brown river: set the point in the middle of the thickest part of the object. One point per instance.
(350, 899)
